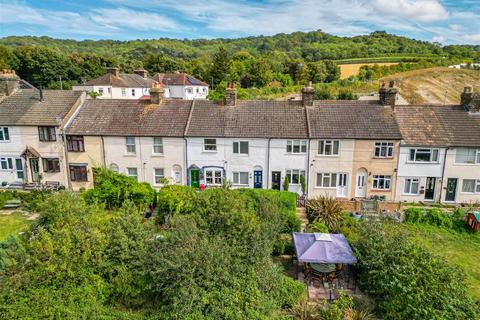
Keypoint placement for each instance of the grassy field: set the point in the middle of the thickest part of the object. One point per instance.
(351, 69)
(435, 85)
(461, 249)
(12, 224)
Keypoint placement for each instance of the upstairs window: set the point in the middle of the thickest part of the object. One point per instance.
(130, 145)
(383, 149)
(240, 147)
(424, 155)
(296, 146)
(51, 165)
(100, 91)
(157, 145)
(328, 147)
(75, 144)
(4, 134)
(124, 92)
(133, 92)
(209, 144)
(467, 156)
(47, 134)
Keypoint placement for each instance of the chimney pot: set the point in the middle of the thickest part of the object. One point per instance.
(113, 71)
(388, 95)
(231, 95)
(469, 100)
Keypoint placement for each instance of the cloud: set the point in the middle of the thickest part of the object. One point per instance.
(416, 10)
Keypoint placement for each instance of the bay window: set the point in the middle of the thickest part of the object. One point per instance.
(213, 176)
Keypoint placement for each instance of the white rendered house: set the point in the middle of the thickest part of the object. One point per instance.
(182, 86)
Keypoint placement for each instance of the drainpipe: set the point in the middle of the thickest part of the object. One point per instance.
(65, 151)
(187, 178)
(307, 178)
(443, 175)
(143, 164)
(268, 163)
(103, 152)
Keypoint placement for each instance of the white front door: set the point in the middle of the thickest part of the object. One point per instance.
(342, 186)
(177, 174)
(361, 189)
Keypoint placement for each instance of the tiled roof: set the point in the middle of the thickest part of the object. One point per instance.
(248, 119)
(178, 79)
(429, 125)
(24, 108)
(122, 117)
(124, 80)
(352, 119)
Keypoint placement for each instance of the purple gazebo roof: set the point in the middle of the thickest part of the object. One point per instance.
(323, 248)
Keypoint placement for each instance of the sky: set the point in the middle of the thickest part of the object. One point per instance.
(444, 21)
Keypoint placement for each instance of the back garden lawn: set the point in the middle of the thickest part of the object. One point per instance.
(12, 224)
(459, 248)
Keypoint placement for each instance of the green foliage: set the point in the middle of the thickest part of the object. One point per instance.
(303, 184)
(173, 200)
(253, 62)
(407, 281)
(113, 189)
(284, 245)
(435, 217)
(286, 183)
(318, 226)
(326, 210)
(30, 200)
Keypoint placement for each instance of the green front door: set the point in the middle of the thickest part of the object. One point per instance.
(35, 170)
(195, 178)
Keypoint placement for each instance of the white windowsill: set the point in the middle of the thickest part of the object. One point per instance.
(325, 188)
(210, 151)
(327, 155)
(158, 155)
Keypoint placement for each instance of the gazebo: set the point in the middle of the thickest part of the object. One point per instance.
(325, 257)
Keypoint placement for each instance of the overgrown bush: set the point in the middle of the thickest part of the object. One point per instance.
(283, 245)
(113, 189)
(30, 200)
(407, 281)
(435, 217)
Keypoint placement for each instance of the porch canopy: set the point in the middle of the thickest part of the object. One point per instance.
(323, 248)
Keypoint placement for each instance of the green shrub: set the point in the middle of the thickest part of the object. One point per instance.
(325, 209)
(286, 183)
(435, 217)
(318, 226)
(406, 280)
(289, 292)
(113, 189)
(175, 199)
(283, 245)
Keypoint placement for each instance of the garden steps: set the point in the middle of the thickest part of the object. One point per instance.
(302, 214)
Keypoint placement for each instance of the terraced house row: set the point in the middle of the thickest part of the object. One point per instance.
(345, 149)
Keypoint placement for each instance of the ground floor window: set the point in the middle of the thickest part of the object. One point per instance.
(411, 186)
(294, 175)
(51, 165)
(471, 186)
(6, 163)
(19, 168)
(159, 175)
(326, 180)
(240, 178)
(213, 176)
(382, 182)
(132, 173)
(78, 173)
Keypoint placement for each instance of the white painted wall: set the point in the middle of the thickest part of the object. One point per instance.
(20, 138)
(182, 92)
(420, 170)
(110, 92)
(280, 160)
(461, 172)
(229, 161)
(144, 159)
(341, 163)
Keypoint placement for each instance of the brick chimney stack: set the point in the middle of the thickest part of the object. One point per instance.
(388, 95)
(307, 95)
(469, 100)
(113, 71)
(157, 94)
(141, 72)
(8, 81)
(231, 95)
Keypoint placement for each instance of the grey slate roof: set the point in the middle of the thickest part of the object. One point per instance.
(178, 79)
(248, 119)
(124, 80)
(428, 125)
(24, 108)
(352, 119)
(121, 117)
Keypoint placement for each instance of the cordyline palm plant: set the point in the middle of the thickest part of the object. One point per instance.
(304, 311)
(325, 209)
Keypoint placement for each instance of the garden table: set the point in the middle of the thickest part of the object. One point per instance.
(323, 267)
